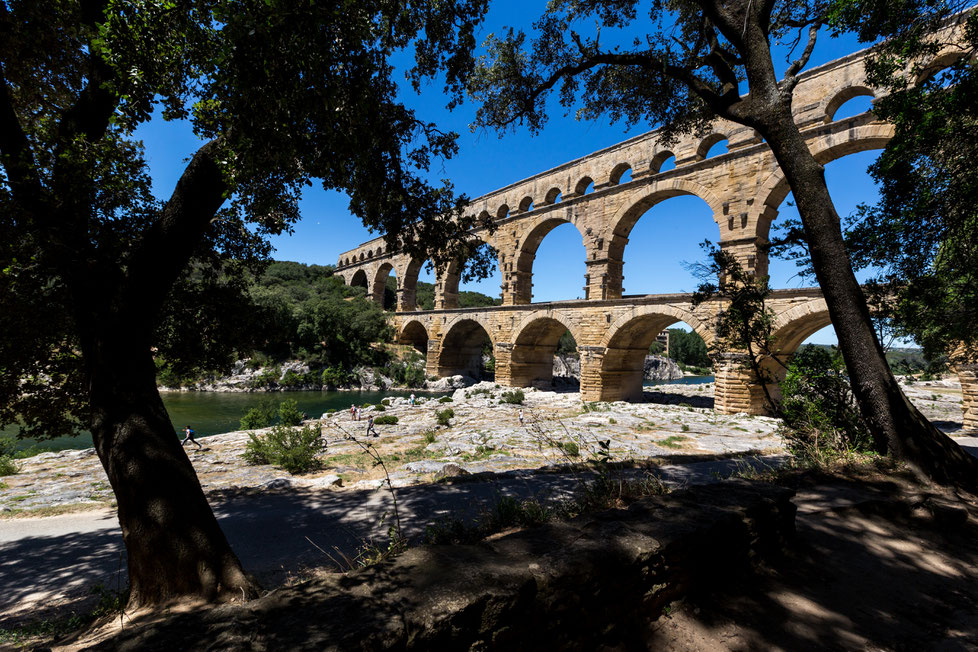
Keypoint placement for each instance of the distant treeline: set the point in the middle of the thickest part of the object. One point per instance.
(295, 311)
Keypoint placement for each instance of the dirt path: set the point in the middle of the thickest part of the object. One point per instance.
(874, 575)
(49, 566)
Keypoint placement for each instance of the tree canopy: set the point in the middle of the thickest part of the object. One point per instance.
(97, 275)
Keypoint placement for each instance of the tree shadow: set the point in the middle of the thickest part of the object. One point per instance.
(665, 398)
(874, 574)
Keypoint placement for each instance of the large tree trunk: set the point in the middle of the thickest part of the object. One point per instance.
(894, 421)
(176, 548)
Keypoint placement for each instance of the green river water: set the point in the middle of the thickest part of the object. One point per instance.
(211, 413)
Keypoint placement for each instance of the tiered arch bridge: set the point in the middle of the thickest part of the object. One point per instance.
(744, 187)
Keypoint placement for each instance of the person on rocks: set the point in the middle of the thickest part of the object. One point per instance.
(370, 427)
(521, 416)
(411, 403)
(189, 436)
(353, 412)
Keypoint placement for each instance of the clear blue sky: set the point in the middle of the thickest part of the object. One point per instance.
(664, 238)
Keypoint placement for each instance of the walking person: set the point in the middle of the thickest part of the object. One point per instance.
(353, 412)
(189, 432)
(521, 416)
(412, 400)
(370, 427)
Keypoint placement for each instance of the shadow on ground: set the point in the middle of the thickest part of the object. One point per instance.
(871, 574)
(277, 535)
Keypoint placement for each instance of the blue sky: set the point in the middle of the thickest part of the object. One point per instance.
(664, 238)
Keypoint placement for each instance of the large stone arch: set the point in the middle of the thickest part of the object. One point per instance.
(624, 220)
(534, 343)
(831, 147)
(794, 325)
(521, 276)
(460, 350)
(414, 332)
(790, 328)
(359, 279)
(621, 371)
(379, 286)
(408, 293)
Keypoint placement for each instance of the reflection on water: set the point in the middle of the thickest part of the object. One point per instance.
(211, 413)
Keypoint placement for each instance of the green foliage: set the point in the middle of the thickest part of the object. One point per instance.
(444, 417)
(514, 397)
(445, 399)
(7, 465)
(821, 420)
(270, 123)
(429, 436)
(425, 298)
(687, 348)
(380, 407)
(406, 373)
(656, 348)
(260, 416)
(571, 449)
(333, 377)
(386, 420)
(289, 413)
(293, 449)
(567, 345)
(7, 446)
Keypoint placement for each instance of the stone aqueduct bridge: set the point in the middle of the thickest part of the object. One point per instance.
(744, 187)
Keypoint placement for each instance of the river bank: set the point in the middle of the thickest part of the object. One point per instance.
(484, 435)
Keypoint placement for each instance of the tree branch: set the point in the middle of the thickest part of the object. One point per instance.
(167, 246)
(15, 153)
(646, 61)
(791, 74)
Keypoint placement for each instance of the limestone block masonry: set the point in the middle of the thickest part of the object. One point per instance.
(744, 187)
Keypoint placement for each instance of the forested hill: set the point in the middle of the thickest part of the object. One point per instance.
(425, 297)
(302, 312)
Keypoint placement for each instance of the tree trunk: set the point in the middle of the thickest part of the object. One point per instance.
(176, 548)
(894, 421)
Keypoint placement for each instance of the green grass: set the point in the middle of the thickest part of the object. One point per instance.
(672, 441)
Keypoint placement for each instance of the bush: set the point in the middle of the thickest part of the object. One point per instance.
(445, 416)
(292, 379)
(429, 436)
(260, 416)
(571, 449)
(407, 374)
(386, 420)
(445, 399)
(514, 397)
(294, 449)
(821, 419)
(7, 465)
(289, 414)
(333, 377)
(7, 446)
(380, 407)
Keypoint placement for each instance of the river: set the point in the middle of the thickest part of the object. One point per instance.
(211, 413)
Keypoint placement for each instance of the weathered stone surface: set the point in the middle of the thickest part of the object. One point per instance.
(594, 582)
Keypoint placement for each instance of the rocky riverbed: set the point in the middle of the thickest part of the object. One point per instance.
(484, 435)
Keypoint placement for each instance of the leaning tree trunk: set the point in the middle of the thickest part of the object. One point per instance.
(176, 548)
(893, 420)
